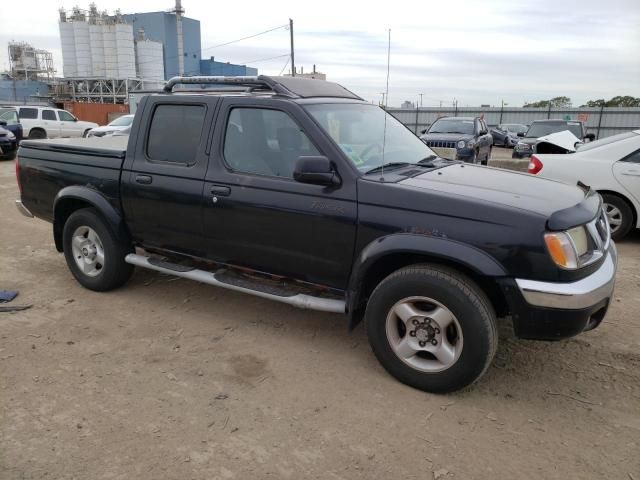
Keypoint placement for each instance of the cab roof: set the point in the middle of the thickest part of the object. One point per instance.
(290, 87)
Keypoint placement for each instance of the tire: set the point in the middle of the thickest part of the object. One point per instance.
(37, 134)
(11, 156)
(451, 298)
(101, 253)
(85, 133)
(619, 214)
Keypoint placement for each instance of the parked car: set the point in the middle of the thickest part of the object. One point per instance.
(540, 128)
(10, 120)
(48, 122)
(460, 138)
(8, 144)
(506, 134)
(301, 192)
(610, 166)
(117, 125)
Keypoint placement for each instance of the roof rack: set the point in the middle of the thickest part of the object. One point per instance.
(251, 83)
(291, 87)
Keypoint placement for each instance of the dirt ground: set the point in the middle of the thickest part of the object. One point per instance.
(169, 379)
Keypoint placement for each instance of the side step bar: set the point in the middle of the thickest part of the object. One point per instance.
(297, 300)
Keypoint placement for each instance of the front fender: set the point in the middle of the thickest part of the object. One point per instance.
(74, 197)
(449, 251)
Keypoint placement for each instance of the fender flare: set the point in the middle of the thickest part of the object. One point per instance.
(450, 251)
(75, 194)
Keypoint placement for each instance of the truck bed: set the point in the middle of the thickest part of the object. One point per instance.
(115, 147)
(48, 166)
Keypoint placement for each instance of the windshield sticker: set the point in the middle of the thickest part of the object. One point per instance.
(350, 152)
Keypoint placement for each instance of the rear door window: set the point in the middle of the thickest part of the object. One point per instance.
(28, 113)
(48, 115)
(175, 132)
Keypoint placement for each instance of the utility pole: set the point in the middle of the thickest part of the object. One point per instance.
(293, 58)
(383, 94)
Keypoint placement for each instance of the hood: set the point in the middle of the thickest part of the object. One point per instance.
(107, 128)
(517, 190)
(446, 136)
(87, 124)
(560, 142)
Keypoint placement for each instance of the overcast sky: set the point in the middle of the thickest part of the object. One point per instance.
(479, 52)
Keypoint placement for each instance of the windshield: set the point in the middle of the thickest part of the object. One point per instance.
(123, 121)
(452, 125)
(537, 130)
(359, 131)
(516, 128)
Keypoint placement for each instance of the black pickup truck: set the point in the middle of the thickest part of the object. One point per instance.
(299, 191)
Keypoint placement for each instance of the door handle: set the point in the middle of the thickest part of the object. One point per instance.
(144, 179)
(220, 191)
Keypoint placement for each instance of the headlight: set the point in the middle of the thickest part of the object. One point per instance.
(461, 144)
(566, 248)
(10, 135)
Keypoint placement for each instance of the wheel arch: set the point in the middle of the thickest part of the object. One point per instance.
(627, 200)
(40, 129)
(388, 254)
(73, 198)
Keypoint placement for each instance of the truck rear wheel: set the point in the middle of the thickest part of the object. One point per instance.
(431, 328)
(93, 253)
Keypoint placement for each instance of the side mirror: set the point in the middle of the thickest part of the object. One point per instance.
(316, 170)
(590, 136)
(424, 130)
(521, 134)
(75, 119)
(3, 123)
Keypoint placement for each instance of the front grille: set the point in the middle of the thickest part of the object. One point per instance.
(441, 144)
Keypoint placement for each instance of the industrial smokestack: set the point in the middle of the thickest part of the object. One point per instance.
(180, 39)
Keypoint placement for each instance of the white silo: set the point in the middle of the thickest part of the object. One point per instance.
(149, 59)
(125, 51)
(83, 50)
(96, 42)
(67, 42)
(110, 52)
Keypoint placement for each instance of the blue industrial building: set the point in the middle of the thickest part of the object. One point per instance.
(161, 27)
(19, 92)
(211, 67)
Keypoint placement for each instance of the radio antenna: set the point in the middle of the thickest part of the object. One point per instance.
(384, 134)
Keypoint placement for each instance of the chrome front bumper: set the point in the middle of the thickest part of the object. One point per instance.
(23, 210)
(576, 295)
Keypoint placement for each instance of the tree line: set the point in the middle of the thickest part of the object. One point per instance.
(565, 102)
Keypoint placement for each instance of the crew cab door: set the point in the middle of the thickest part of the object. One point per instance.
(68, 125)
(163, 176)
(256, 215)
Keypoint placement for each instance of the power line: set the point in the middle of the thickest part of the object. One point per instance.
(264, 59)
(285, 65)
(244, 38)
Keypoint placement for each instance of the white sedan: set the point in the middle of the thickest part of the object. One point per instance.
(121, 123)
(611, 166)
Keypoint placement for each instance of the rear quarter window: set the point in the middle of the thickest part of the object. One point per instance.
(28, 113)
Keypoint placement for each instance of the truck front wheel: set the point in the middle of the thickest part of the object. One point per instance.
(431, 328)
(93, 253)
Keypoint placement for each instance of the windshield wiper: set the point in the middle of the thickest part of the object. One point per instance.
(391, 165)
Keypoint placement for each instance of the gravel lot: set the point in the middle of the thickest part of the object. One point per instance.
(169, 379)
